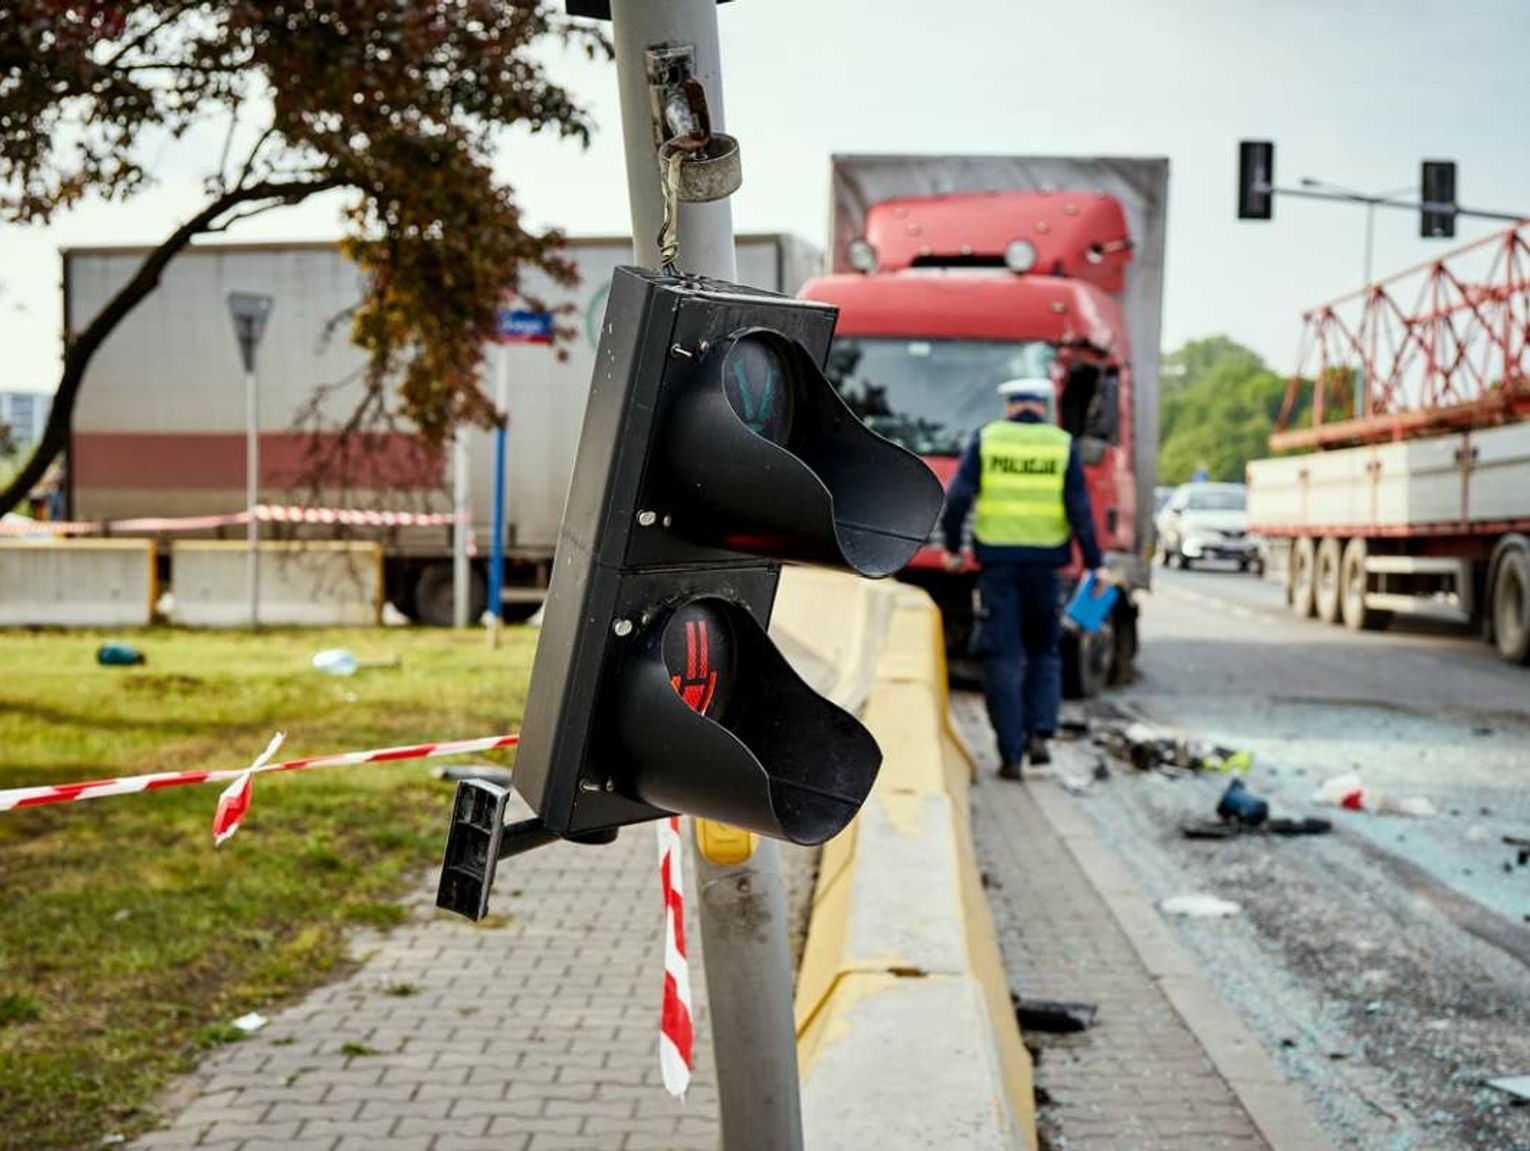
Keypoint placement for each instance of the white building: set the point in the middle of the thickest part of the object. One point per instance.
(24, 413)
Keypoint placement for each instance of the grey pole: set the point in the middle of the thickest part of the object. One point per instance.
(706, 230)
(742, 906)
(460, 527)
(252, 489)
(1370, 240)
(748, 968)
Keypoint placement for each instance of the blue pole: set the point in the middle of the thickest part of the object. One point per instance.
(497, 545)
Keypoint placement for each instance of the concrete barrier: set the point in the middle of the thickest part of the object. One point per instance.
(77, 583)
(832, 629)
(304, 583)
(906, 1035)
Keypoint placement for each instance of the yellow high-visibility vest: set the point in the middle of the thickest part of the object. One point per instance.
(1020, 493)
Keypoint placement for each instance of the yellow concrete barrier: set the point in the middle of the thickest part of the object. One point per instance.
(906, 1035)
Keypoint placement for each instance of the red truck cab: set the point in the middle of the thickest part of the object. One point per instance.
(955, 294)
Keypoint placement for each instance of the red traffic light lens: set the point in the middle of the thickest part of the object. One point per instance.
(757, 380)
(699, 652)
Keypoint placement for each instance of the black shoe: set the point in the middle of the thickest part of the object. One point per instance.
(1009, 771)
(1038, 752)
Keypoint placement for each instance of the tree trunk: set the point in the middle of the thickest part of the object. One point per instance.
(79, 351)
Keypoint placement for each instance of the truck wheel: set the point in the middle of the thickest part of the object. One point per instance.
(433, 599)
(1123, 669)
(1511, 606)
(1352, 588)
(1087, 661)
(1301, 577)
(1325, 579)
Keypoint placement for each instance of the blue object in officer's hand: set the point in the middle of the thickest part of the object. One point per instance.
(1091, 603)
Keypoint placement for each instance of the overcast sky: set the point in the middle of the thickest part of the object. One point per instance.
(1352, 91)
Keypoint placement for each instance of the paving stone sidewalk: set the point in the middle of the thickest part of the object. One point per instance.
(1139, 1080)
(534, 1031)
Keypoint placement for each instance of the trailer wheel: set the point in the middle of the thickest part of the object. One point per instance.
(433, 598)
(1325, 579)
(1301, 578)
(1511, 606)
(1352, 581)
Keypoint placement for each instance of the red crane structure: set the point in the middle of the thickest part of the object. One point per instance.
(1441, 346)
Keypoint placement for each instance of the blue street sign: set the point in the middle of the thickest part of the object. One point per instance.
(517, 326)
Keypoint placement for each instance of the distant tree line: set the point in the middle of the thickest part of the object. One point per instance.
(1220, 404)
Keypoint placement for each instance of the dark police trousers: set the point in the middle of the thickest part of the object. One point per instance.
(1022, 668)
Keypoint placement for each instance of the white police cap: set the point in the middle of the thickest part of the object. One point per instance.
(1027, 388)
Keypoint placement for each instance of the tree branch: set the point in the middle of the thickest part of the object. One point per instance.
(249, 161)
(147, 34)
(80, 350)
(228, 143)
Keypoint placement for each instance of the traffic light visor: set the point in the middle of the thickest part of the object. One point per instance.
(768, 459)
(712, 720)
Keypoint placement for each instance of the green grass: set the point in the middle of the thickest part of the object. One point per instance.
(127, 943)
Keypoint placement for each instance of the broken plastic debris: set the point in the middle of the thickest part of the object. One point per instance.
(119, 654)
(1053, 1015)
(1199, 906)
(250, 1023)
(340, 661)
(1515, 1085)
(1240, 805)
(1349, 792)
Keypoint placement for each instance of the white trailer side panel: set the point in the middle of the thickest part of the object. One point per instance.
(1392, 488)
(160, 419)
(1500, 484)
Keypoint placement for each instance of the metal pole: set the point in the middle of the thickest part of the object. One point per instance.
(706, 230)
(497, 544)
(748, 968)
(252, 490)
(1370, 240)
(742, 906)
(460, 528)
(1407, 205)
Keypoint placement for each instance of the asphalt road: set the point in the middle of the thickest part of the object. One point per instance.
(1387, 965)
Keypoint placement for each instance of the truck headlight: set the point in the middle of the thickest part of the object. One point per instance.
(1020, 255)
(861, 255)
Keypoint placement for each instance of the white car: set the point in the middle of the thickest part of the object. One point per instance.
(1206, 521)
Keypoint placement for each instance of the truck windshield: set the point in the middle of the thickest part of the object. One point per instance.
(930, 396)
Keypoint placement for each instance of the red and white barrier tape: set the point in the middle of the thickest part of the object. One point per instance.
(235, 800)
(676, 1027)
(265, 513)
(676, 1032)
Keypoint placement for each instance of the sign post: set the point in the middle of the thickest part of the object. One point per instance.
(250, 311)
(516, 326)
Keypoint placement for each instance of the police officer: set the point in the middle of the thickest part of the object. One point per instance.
(1031, 503)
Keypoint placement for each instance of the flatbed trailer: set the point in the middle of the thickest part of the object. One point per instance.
(1417, 499)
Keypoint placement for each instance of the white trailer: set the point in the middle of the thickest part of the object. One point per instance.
(1436, 527)
(160, 423)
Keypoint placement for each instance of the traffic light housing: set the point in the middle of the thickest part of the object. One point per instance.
(714, 448)
(1437, 187)
(1256, 180)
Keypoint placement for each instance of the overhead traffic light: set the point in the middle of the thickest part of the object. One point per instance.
(1437, 190)
(714, 448)
(1256, 180)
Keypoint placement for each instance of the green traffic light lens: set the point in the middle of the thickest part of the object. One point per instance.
(699, 653)
(758, 383)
